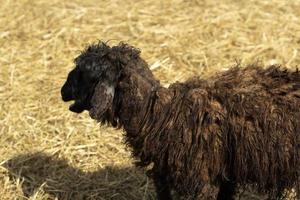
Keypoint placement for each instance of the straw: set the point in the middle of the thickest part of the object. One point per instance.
(48, 152)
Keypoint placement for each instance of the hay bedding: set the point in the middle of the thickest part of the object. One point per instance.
(50, 153)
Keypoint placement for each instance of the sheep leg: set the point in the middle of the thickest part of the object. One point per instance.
(226, 191)
(162, 188)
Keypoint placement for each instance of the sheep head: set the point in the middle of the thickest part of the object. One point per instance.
(91, 84)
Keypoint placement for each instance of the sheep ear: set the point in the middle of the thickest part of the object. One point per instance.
(102, 100)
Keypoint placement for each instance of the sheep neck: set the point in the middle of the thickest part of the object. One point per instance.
(139, 100)
(137, 96)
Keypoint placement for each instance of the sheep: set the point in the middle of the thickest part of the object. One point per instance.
(239, 127)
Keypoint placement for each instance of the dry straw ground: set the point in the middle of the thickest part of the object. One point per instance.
(48, 152)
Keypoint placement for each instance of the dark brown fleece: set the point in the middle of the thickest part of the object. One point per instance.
(242, 125)
(238, 127)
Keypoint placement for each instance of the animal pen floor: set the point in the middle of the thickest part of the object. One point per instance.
(48, 152)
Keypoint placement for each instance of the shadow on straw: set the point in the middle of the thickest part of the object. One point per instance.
(59, 180)
(54, 176)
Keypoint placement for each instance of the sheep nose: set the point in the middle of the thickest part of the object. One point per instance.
(66, 94)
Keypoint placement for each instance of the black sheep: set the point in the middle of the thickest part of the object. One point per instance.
(237, 128)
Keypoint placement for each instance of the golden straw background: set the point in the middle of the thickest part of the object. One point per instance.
(48, 152)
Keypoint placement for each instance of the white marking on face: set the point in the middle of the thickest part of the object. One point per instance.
(110, 90)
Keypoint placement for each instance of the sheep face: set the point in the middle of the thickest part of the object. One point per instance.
(78, 87)
(94, 69)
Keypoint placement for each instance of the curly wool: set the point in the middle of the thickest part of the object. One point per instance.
(241, 126)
